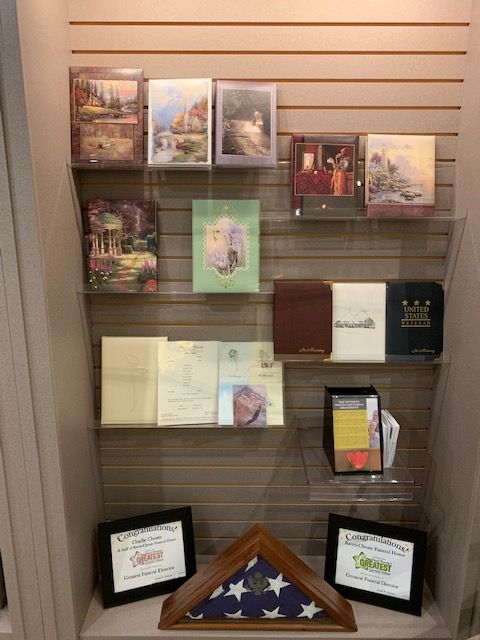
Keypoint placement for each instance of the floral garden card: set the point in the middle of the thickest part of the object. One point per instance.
(226, 250)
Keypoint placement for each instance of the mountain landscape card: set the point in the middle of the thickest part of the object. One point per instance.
(106, 113)
(226, 248)
(400, 175)
(180, 122)
(122, 239)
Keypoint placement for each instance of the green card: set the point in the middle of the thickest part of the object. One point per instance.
(226, 249)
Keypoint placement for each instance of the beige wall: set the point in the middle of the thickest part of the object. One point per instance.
(452, 502)
(45, 57)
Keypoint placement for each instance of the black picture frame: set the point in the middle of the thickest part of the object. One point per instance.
(132, 534)
(418, 539)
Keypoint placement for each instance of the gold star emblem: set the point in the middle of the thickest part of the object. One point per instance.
(404, 302)
(416, 302)
(428, 303)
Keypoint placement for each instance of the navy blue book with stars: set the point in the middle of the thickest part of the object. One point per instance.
(414, 321)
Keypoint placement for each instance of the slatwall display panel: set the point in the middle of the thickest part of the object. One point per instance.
(347, 68)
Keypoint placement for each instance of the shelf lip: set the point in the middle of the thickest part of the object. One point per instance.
(6, 630)
(98, 426)
(144, 166)
(320, 360)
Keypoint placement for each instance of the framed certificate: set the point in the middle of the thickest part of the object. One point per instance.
(376, 563)
(146, 555)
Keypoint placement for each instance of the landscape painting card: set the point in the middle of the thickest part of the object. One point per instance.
(324, 172)
(122, 240)
(106, 113)
(226, 248)
(400, 175)
(180, 122)
(246, 123)
(249, 364)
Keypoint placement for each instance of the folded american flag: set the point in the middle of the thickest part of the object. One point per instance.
(257, 590)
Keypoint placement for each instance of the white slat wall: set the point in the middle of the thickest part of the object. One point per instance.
(340, 68)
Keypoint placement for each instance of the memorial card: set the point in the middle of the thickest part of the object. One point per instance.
(250, 365)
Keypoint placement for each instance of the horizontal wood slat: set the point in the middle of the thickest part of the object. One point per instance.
(280, 38)
(414, 67)
(282, 10)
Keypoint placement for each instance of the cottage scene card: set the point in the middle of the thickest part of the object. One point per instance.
(122, 240)
(246, 126)
(400, 175)
(179, 121)
(226, 251)
(324, 172)
(106, 108)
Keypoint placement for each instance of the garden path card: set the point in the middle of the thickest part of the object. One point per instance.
(187, 383)
(226, 249)
(251, 365)
(129, 380)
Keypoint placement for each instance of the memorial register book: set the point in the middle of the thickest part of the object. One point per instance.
(414, 320)
(302, 318)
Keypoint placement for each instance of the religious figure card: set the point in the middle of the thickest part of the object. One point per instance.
(180, 122)
(400, 175)
(106, 114)
(226, 248)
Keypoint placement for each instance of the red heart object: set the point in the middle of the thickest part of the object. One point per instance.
(358, 459)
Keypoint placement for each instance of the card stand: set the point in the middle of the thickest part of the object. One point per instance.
(396, 484)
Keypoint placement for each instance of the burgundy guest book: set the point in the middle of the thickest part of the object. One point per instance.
(303, 318)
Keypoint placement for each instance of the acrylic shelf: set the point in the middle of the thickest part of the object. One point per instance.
(394, 485)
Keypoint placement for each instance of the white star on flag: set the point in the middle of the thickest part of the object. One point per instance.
(199, 617)
(277, 584)
(238, 614)
(252, 563)
(236, 590)
(218, 591)
(273, 614)
(309, 611)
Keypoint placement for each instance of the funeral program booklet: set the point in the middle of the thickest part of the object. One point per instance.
(187, 383)
(249, 365)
